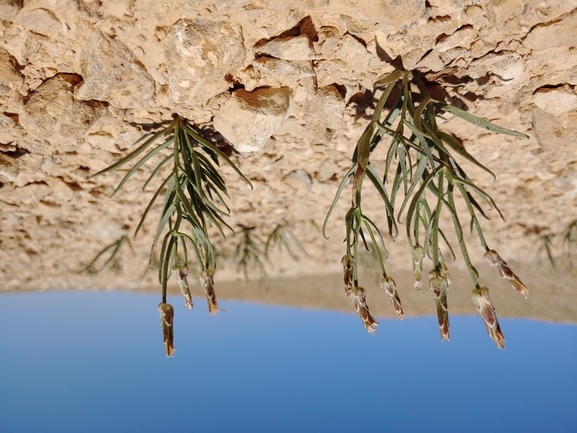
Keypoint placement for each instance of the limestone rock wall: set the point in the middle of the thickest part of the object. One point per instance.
(288, 83)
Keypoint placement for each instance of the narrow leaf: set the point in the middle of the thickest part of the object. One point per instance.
(347, 177)
(131, 155)
(141, 163)
(477, 120)
(390, 78)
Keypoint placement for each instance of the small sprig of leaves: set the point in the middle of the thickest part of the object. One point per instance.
(428, 175)
(283, 239)
(194, 200)
(251, 254)
(566, 242)
(193, 193)
(113, 262)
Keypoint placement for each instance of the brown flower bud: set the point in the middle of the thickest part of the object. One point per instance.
(180, 274)
(438, 286)
(359, 298)
(493, 258)
(207, 282)
(483, 303)
(166, 321)
(418, 255)
(390, 288)
(348, 265)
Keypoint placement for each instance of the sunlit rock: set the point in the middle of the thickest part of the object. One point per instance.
(8, 168)
(461, 38)
(199, 54)
(40, 21)
(112, 74)
(10, 77)
(324, 114)
(508, 67)
(285, 70)
(554, 132)
(249, 119)
(52, 112)
(562, 33)
(555, 101)
(291, 48)
(327, 41)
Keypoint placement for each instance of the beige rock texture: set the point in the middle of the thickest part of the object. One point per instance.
(289, 85)
(248, 119)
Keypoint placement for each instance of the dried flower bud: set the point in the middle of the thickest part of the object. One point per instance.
(418, 255)
(207, 282)
(438, 286)
(180, 273)
(483, 303)
(166, 320)
(348, 264)
(493, 258)
(358, 296)
(390, 288)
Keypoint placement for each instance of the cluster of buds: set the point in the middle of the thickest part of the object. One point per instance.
(483, 303)
(358, 296)
(438, 285)
(207, 282)
(180, 273)
(166, 311)
(166, 321)
(390, 288)
(493, 258)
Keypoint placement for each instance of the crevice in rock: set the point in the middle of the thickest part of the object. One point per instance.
(361, 102)
(14, 116)
(340, 88)
(74, 186)
(303, 27)
(563, 86)
(19, 152)
(359, 39)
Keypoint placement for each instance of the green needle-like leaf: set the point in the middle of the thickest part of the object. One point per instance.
(477, 120)
(131, 155)
(342, 185)
(141, 163)
(460, 150)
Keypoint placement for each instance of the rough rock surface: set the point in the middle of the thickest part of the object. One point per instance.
(248, 119)
(111, 73)
(80, 82)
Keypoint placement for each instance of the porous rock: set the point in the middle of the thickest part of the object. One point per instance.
(10, 77)
(554, 132)
(291, 48)
(562, 33)
(40, 21)
(461, 38)
(199, 54)
(555, 101)
(8, 167)
(52, 112)
(324, 114)
(284, 69)
(112, 74)
(248, 119)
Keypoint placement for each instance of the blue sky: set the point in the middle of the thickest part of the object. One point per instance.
(94, 362)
